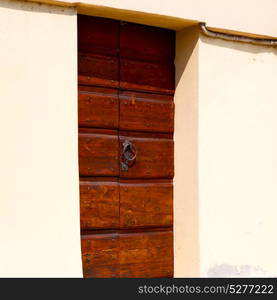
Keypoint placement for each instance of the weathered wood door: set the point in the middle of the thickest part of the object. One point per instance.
(126, 113)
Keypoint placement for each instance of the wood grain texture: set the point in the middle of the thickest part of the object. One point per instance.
(148, 254)
(146, 112)
(98, 153)
(126, 78)
(99, 203)
(140, 254)
(146, 43)
(99, 70)
(98, 107)
(146, 203)
(147, 58)
(154, 157)
(147, 76)
(98, 35)
(100, 255)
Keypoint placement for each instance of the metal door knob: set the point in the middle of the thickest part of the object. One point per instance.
(129, 155)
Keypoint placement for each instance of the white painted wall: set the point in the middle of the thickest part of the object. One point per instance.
(237, 159)
(39, 198)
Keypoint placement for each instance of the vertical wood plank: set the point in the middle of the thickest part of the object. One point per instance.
(100, 255)
(99, 203)
(98, 153)
(146, 203)
(98, 107)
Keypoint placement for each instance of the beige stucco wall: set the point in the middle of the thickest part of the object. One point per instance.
(237, 146)
(39, 198)
(224, 190)
(250, 16)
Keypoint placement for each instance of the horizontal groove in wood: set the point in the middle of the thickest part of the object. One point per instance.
(120, 89)
(146, 135)
(153, 97)
(102, 177)
(98, 70)
(110, 203)
(92, 232)
(97, 90)
(145, 62)
(94, 82)
(97, 131)
(138, 75)
(128, 254)
(138, 133)
(99, 179)
(100, 255)
(145, 182)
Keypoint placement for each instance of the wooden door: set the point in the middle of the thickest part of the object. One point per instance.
(126, 115)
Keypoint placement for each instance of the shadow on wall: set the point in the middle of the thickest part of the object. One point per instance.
(186, 221)
(187, 39)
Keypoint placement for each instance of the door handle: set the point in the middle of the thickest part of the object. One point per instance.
(129, 155)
